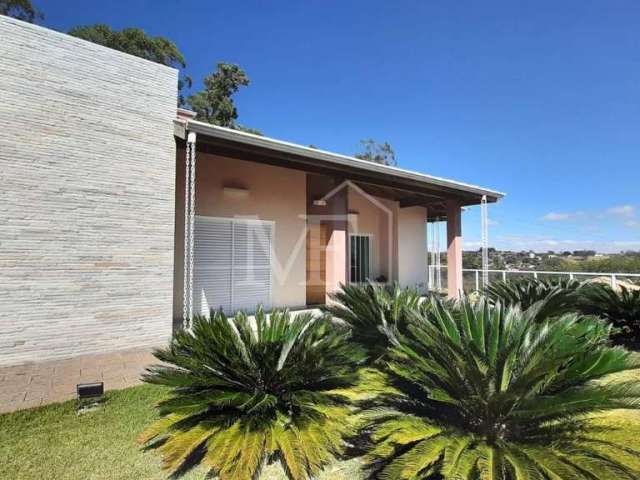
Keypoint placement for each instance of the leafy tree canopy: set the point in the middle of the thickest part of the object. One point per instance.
(215, 104)
(133, 41)
(20, 9)
(377, 152)
(628, 262)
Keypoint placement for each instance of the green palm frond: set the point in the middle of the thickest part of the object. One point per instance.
(552, 297)
(374, 312)
(247, 390)
(487, 392)
(621, 307)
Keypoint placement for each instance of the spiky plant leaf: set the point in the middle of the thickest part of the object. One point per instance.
(553, 297)
(619, 306)
(374, 312)
(244, 391)
(486, 392)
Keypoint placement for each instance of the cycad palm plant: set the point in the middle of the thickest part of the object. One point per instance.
(555, 297)
(489, 393)
(245, 392)
(374, 312)
(621, 307)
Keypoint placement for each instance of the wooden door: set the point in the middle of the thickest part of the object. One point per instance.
(316, 263)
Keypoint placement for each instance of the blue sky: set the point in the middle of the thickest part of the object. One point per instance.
(537, 99)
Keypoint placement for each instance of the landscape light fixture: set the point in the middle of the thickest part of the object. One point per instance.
(89, 395)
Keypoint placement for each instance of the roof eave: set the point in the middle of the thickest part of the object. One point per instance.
(325, 156)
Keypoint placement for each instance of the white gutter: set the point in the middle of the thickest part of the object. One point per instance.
(330, 157)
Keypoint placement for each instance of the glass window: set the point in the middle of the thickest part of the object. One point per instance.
(360, 258)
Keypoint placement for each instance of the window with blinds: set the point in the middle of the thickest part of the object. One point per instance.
(359, 258)
(232, 264)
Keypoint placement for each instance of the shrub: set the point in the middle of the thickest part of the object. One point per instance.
(553, 297)
(374, 312)
(487, 392)
(244, 393)
(620, 307)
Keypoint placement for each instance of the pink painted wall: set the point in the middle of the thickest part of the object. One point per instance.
(274, 193)
(412, 247)
(280, 195)
(376, 217)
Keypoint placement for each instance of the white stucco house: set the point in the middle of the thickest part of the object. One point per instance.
(103, 180)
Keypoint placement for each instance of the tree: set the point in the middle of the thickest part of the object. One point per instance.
(135, 41)
(253, 131)
(482, 392)
(215, 103)
(20, 9)
(377, 152)
(247, 391)
(584, 253)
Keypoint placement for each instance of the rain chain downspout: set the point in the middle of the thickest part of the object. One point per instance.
(189, 222)
(484, 220)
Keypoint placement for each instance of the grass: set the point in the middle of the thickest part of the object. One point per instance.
(54, 442)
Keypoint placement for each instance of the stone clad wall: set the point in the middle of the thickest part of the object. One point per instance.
(87, 173)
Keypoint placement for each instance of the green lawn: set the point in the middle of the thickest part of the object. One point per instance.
(54, 442)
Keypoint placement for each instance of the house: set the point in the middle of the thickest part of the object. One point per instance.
(289, 224)
(123, 216)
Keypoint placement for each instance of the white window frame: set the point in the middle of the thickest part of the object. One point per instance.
(239, 220)
(370, 237)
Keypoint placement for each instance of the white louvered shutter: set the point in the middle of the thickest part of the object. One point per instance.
(251, 265)
(232, 264)
(212, 265)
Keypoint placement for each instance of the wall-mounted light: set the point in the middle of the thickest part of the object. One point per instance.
(235, 192)
(320, 203)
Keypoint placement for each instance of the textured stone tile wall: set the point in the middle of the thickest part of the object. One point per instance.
(87, 173)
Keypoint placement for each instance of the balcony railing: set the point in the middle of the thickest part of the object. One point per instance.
(472, 278)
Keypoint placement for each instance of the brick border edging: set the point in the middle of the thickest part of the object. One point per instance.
(34, 384)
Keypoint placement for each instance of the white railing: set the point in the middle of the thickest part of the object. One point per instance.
(613, 278)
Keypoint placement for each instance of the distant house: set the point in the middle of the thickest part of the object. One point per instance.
(122, 216)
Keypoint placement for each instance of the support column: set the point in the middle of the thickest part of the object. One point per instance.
(454, 249)
(336, 252)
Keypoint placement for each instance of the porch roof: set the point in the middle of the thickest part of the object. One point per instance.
(418, 188)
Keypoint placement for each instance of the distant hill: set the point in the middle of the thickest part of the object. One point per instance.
(576, 261)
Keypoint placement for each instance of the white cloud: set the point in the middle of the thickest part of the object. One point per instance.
(471, 244)
(628, 244)
(632, 223)
(620, 212)
(556, 217)
(627, 211)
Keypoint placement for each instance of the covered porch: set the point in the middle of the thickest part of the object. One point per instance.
(261, 221)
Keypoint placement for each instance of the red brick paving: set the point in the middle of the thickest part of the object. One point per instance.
(35, 384)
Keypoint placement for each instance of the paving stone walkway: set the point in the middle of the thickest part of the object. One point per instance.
(35, 384)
